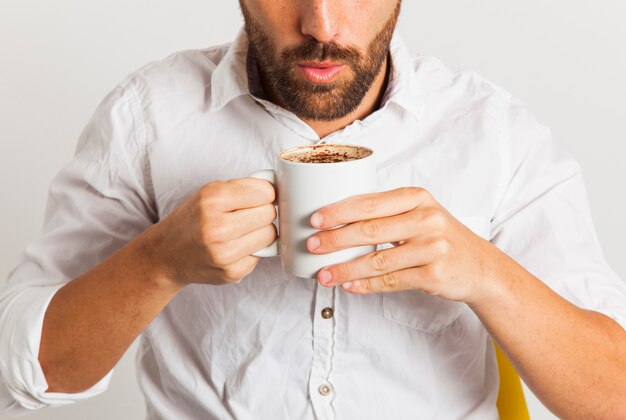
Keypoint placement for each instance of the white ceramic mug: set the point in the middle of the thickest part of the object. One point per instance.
(303, 188)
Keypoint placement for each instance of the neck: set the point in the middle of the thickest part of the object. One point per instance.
(370, 103)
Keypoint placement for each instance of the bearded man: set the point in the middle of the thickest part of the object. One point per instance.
(483, 232)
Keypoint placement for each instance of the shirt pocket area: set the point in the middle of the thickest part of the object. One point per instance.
(421, 311)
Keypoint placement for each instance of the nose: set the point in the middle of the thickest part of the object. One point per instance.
(320, 19)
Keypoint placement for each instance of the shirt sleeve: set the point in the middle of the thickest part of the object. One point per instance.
(99, 201)
(544, 222)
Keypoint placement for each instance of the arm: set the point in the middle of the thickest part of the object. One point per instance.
(102, 269)
(553, 323)
(573, 359)
(92, 320)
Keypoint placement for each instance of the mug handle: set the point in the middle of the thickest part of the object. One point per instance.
(272, 250)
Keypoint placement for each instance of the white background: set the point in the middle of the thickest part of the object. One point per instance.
(566, 59)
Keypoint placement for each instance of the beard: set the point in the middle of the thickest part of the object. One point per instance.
(318, 101)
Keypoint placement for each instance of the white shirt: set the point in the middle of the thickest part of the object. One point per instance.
(262, 349)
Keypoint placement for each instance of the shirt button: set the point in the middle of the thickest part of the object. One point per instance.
(324, 390)
(327, 313)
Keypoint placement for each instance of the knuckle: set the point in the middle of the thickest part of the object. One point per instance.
(212, 189)
(237, 271)
(420, 196)
(436, 273)
(379, 261)
(440, 219)
(202, 213)
(202, 221)
(330, 238)
(217, 232)
(329, 215)
(421, 193)
(217, 259)
(205, 192)
(261, 187)
(215, 193)
(428, 214)
(370, 205)
(411, 192)
(223, 256)
(233, 274)
(366, 284)
(441, 246)
(435, 218)
(389, 281)
(214, 257)
(370, 229)
(340, 272)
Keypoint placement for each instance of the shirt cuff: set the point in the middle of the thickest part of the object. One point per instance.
(21, 325)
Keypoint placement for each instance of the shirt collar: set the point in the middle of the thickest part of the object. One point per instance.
(402, 87)
(230, 79)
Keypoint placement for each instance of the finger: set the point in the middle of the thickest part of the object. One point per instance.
(257, 240)
(378, 231)
(396, 281)
(241, 222)
(234, 273)
(369, 232)
(238, 194)
(232, 251)
(369, 206)
(379, 263)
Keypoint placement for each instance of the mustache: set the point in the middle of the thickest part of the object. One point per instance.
(321, 51)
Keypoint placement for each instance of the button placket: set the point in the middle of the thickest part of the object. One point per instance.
(320, 388)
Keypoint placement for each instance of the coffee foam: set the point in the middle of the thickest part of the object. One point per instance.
(325, 153)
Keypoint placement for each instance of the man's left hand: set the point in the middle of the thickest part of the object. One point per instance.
(433, 251)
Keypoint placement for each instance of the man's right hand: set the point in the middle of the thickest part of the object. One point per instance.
(211, 237)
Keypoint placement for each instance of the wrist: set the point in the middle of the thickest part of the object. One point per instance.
(497, 284)
(148, 255)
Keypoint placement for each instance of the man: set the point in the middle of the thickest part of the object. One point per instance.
(484, 233)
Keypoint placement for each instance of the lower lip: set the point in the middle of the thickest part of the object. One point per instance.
(321, 75)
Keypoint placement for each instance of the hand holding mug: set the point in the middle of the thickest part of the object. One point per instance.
(209, 238)
(433, 252)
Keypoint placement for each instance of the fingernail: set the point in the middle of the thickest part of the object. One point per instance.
(313, 243)
(354, 285)
(325, 277)
(316, 220)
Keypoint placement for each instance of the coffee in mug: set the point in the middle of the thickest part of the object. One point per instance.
(324, 154)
